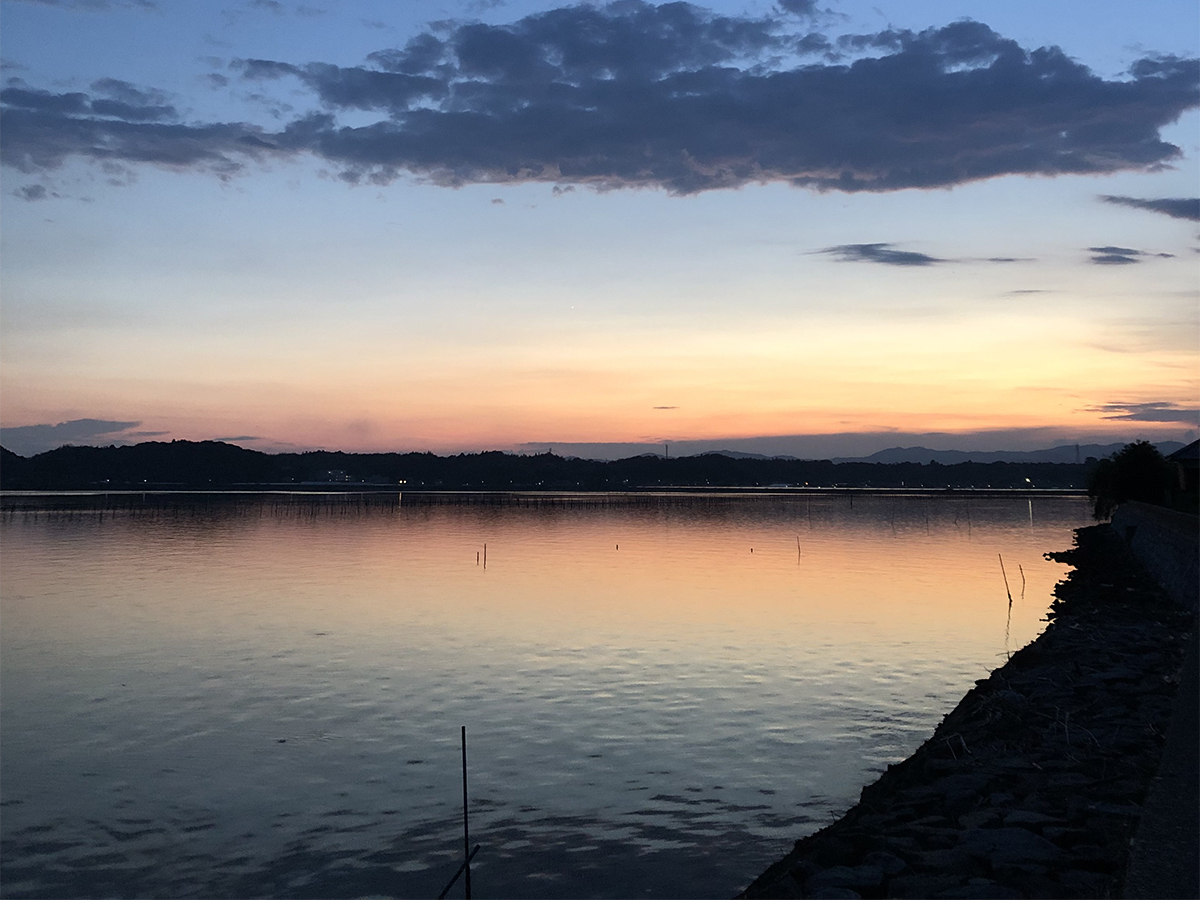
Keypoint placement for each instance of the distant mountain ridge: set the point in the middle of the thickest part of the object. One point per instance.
(1066, 453)
(741, 454)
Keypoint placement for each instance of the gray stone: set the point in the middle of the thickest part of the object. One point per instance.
(783, 889)
(856, 878)
(944, 765)
(1011, 698)
(1063, 836)
(1121, 674)
(952, 861)
(1080, 883)
(834, 876)
(939, 821)
(1068, 779)
(836, 893)
(979, 818)
(1122, 810)
(921, 886)
(932, 838)
(981, 888)
(1022, 873)
(1088, 856)
(899, 844)
(804, 870)
(1029, 817)
(1013, 762)
(1009, 845)
(963, 783)
(888, 863)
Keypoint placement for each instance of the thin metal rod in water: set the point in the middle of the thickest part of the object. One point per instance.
(466, 827)
(446, 889)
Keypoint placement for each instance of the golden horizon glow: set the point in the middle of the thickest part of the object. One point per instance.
(1000, 370)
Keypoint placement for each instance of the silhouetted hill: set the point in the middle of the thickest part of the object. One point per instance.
(177, 464)
(11, 466)
(213, 465)
(1067, 453)
(741, 454)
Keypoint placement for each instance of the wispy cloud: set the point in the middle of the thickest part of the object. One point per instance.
(674, 97)
(1122, 256)
(1151, 412)
(881, 253)
(1175, 207)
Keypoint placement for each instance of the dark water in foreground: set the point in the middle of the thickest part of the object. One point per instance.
(265, 700)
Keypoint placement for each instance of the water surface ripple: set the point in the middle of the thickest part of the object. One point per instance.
(265, 700)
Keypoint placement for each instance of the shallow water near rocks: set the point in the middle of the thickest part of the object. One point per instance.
(265, 699)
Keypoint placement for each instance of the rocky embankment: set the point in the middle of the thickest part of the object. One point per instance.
(1033, 785)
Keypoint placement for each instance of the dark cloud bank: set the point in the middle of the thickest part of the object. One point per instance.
(1152, 412)
(27, 440)
(671, 96)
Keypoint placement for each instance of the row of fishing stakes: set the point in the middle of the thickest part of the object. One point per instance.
(468, 853)
(1002, 572)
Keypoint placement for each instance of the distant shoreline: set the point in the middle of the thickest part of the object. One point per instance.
(33, 500)
(212, 465)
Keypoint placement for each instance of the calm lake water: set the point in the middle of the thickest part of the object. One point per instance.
(264, 698)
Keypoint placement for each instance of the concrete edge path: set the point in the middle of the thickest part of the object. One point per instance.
(1165, 854)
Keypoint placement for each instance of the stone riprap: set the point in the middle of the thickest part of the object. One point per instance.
(1033, 785)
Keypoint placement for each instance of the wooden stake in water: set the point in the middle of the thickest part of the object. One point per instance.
(466, 826)
(1005, 574)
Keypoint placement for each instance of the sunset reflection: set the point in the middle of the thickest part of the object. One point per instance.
(643, 681)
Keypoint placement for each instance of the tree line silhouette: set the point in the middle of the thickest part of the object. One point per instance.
(217, 465)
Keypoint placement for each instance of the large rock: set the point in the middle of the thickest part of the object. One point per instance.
(1009, 845)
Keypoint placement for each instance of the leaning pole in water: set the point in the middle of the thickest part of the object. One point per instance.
(466, 827)
(468, 853)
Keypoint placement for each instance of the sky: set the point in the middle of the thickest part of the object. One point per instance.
(816, 227)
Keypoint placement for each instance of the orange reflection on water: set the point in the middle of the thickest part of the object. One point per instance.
(634, 678)
(720, 573)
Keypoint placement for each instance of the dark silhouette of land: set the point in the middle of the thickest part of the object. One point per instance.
(211, 465)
